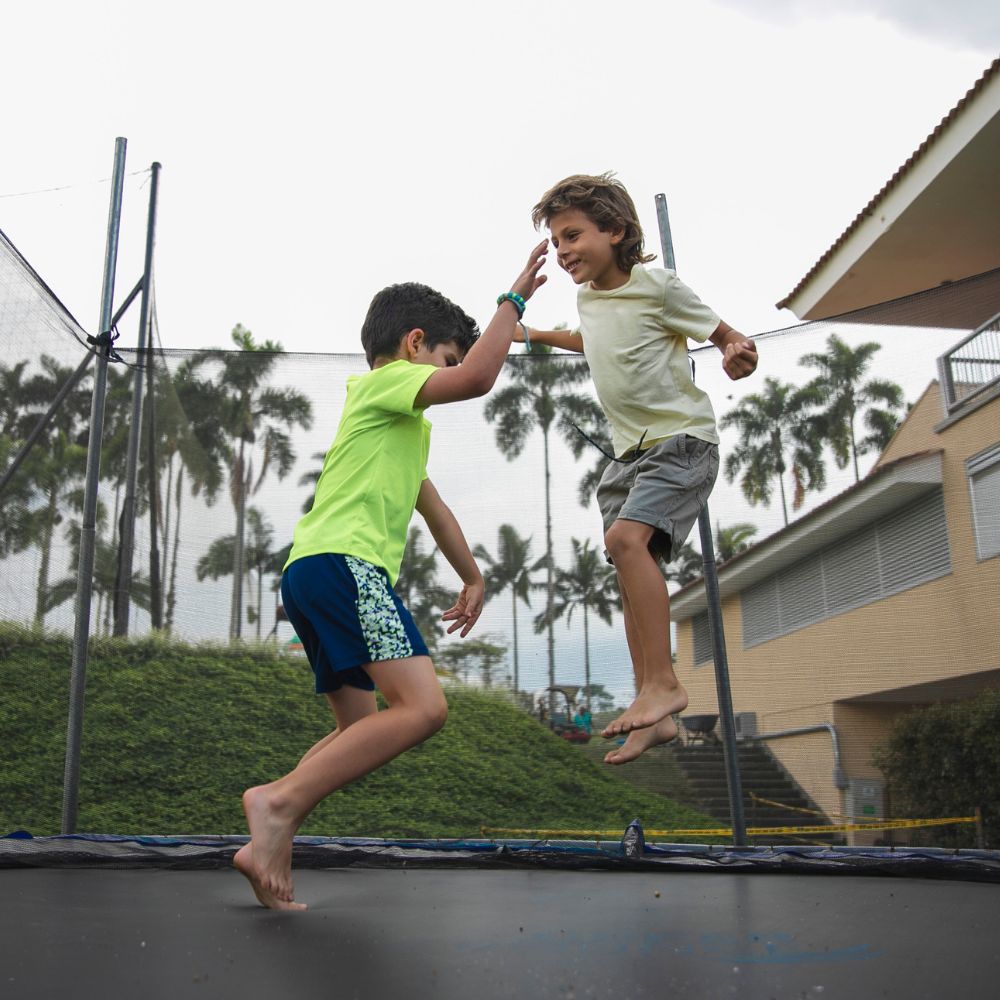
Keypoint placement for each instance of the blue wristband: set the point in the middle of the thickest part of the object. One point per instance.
(515, 298)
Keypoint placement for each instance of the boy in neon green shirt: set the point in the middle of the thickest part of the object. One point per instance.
(346, 553)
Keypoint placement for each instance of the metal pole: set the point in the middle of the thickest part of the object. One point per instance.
(722, 685)
(153, 487)
(88, 527)
(123, 581)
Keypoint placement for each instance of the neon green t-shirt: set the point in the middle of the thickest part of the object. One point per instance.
(372, 473)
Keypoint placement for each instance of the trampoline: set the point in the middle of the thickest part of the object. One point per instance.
(151, 917)
(159, 917)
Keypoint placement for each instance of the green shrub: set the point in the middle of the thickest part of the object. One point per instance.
(945, 761)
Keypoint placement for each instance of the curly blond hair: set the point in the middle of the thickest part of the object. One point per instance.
(604, 200)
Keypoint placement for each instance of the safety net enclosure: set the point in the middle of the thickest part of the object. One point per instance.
(852, 534)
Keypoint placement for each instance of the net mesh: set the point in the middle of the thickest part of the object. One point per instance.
(851, 579)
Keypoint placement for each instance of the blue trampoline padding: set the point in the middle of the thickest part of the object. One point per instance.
(20, 849)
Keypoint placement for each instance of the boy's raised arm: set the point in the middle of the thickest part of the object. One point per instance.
(479, 370)
(447, 533)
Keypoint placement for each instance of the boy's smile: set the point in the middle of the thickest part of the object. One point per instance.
(585, 251)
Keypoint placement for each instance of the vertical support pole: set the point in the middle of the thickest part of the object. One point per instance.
(127, 535)
(88, 527)
(153, 486)
(722, 685)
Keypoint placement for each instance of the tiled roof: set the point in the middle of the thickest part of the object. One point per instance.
(893, 181)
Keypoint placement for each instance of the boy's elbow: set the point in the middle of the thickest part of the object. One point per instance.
(481, 383)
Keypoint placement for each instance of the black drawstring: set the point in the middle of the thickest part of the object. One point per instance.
(622, 461)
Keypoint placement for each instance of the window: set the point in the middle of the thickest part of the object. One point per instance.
(984, 485)
(702, 639)
(903, 550)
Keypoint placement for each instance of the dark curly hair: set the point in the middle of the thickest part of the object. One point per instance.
(604, 200)
(398, 309)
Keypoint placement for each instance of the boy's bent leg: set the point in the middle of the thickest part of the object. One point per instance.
(417, 709)
(660, 694)
(348, 704)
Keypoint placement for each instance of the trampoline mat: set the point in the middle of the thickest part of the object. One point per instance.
(475, 933)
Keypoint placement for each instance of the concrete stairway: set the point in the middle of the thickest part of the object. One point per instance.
(703, 768)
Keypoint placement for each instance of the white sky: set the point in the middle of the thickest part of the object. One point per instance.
(314, 153)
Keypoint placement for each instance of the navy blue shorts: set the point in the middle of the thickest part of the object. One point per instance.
(347, 615)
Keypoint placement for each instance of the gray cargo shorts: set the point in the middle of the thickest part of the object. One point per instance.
(666, 487)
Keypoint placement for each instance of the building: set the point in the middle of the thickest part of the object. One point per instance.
(880, 600)
(883, 598)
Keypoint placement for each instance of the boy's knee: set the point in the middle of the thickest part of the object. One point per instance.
(435, 714)
(623, 539)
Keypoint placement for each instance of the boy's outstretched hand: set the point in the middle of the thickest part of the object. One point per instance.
(529, 280)
(740, 359)
(467, 609)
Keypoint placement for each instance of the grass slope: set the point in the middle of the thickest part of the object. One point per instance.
(173, 733)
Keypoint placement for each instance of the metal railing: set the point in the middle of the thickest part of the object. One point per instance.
(972, 366)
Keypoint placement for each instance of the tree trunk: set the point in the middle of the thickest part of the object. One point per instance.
(42, 586)
(549, 582)
(513, 592)
(854, 448)
(236, 605)
(168, 622)
(260, 598)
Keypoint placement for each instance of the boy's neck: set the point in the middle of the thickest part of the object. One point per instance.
(609, 282)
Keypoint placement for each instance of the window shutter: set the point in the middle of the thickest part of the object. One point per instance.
(984, 485)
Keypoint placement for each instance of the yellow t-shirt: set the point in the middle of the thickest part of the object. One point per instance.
(635, 340)
(372, 473)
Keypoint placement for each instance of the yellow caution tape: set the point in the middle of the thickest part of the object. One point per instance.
(756, 831)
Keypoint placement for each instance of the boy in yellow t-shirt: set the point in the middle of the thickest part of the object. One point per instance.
(634, 325)
(337, 586)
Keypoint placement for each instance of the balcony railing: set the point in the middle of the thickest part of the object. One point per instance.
(971, 367)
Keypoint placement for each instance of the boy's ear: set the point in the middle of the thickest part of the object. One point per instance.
(617, 235)
(413, 341)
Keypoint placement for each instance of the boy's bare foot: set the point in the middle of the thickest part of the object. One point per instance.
(651, 705)
(640, 740)
(243, 863)
(266, 861)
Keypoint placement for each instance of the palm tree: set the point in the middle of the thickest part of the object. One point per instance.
(731, 541)
(687, 567)
(537, 393)
(840, 381)
(56, 465)
(260, 560)
(192, 450)
(257, 418)
(103, 583)
(586, 431)
(310, 479)
(510, 569)
(15, 503)
(418, 589)
(484, 654)
(590, 585)
(776, 425)
(882, 425)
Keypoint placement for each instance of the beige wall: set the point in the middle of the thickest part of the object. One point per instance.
(948, 628)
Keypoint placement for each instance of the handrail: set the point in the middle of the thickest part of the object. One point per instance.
(839, 776)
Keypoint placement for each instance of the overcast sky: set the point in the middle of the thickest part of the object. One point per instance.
(315, 153)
